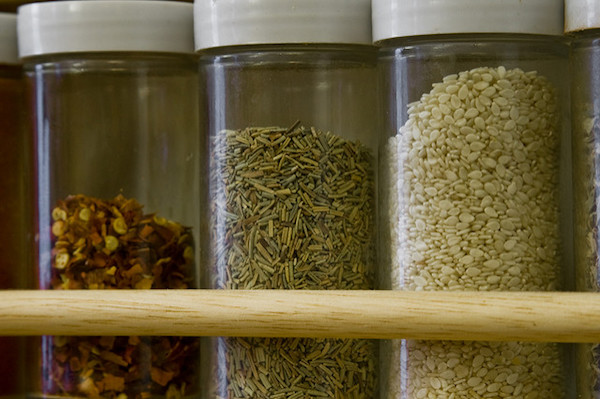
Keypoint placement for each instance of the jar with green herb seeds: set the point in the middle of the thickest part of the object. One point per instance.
(291, 127)
(16, 215)
(114, 94)
(582, 25)
(472, 157)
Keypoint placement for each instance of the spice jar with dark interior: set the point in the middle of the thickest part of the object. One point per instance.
(474, 180)
(582, 24)
(113, 91)
(291, 129)
(16, 181)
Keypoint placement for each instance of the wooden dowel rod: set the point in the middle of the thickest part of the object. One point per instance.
(497, 316)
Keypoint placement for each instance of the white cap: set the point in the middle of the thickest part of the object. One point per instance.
(237, 22)
(397, 18)
(105, 25)
(8, 39)
(581, 14)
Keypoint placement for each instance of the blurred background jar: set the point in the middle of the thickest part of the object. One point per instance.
(113, 91)
(16, 214)
(291, 95)
(582, 25)
(475, 180)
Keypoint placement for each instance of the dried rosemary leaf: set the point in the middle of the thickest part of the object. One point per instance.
(293, 209)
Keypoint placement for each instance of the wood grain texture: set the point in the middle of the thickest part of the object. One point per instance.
(498, 316)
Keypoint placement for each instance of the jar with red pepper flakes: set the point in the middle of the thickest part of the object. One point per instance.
(113, 91)
(16, 228)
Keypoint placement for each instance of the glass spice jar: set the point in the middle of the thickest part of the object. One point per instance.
(582, 24)
(113, 88)
(16, 216)
(291, 135)
(473, 155)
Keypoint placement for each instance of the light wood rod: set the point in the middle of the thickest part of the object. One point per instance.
(497, 316)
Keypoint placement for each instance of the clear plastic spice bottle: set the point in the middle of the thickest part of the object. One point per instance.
(582, 24)
(16, 181)
(291, 122)
(471, 158)
(114, 94)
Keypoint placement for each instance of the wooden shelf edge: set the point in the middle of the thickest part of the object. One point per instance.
(489, 316)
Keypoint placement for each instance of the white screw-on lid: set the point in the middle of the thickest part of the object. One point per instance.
(581, 15)
(397, 18)
(8, 39)
(105, 25)
(237, 22)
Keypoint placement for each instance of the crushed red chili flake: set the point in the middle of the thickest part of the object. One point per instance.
(112, 244)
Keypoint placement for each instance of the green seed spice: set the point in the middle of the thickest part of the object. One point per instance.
(293, 209)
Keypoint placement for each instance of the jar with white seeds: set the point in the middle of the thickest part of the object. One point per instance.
(472, 157)
(582, 25)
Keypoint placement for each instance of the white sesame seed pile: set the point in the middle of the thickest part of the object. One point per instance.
(473, 205)
(475, 202)
(468, 370)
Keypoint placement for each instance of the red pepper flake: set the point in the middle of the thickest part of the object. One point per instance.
(127, 356)
(161, 377)
(136, 270)
(61, 356)
(112, 244)
(146, 231)
(96, 238)
(112, 357)
(111, 383)
(75, 364)
(87, 387)
(107, 342)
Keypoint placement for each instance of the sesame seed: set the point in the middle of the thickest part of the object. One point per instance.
(483, 182)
